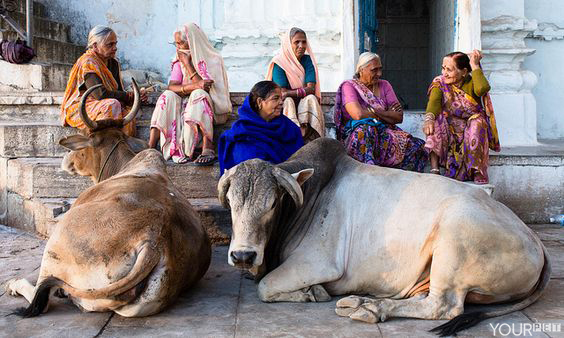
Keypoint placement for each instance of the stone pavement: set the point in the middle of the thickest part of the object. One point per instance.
(225, 304)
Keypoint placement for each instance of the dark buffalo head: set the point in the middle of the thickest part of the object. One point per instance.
(103, 149)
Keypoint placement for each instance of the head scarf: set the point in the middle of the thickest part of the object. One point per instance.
(252, 137)
(209, 65)
(288, 61)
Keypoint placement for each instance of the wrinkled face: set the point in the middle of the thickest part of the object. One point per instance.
(371, 72)
(107, 48)
(180, 44)
(299, 44)
(253, 196)
(452, 74)
(271, 106)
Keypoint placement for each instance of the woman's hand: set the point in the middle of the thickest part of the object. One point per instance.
(475, 58)
(204, 84)
(185, 57)
(429, 127)
(144, 97)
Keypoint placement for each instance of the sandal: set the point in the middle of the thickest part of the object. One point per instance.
(206, 158)
(435, 171)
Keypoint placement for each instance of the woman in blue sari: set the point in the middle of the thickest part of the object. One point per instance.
(261, 130)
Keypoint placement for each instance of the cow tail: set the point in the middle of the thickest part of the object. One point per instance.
(40, 298)
(147, 259)
(467, 320)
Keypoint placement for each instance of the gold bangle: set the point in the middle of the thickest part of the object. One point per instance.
(429, 117)
(182, 90)
(193, 74)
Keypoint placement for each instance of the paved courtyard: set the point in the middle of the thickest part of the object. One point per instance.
(225, 304)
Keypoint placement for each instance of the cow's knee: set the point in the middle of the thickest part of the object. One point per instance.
(313, 293)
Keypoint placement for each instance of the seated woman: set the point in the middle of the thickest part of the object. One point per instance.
(261, 130)
(458, 126)
(98, 65)
(366, 111)
(296, 73)
(197, 98)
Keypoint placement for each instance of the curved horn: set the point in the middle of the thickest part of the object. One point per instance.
(223, 187)
(83, 115)
(136, 103)
(289, 183)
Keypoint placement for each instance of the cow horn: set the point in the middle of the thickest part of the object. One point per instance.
(289, 183)
(83, 114)
(223, 187)
(136, 103)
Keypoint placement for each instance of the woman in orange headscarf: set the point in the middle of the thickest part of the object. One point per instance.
(98, 66)
(294, 69)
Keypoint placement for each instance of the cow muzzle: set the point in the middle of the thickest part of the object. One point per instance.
(243, 258)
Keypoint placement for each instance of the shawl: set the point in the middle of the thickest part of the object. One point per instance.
(288, 61)
(209, 65)
(87, 63)
(252, 137)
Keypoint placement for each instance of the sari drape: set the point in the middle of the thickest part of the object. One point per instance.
(89, 62)
(374, 142)
(464, 133)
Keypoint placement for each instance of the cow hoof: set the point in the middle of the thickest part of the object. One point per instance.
(364, 315)
(350, 302)
(11, 287)
(344, 311)
(319, 294)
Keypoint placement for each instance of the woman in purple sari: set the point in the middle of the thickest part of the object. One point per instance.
(460, 122)
(366, 114)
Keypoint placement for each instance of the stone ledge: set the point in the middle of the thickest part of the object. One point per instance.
(35, 76)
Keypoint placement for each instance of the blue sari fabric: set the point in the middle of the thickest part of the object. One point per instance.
(252, 137)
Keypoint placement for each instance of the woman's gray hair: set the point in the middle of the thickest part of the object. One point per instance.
(296, 30)
(98, 34)
(363, 60)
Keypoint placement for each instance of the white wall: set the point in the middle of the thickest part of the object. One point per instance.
(546, 63)
(442, 32)
(144, 28)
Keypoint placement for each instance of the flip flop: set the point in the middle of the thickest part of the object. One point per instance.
(210, 161)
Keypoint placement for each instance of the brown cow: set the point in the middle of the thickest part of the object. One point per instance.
(132, 242)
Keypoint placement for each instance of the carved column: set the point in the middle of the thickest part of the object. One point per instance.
(503, 44)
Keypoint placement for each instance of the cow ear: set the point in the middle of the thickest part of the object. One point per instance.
(76, 142)
(303, 175)
(137, 145)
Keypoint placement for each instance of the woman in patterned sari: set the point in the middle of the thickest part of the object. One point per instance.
(366, 112)
(459, 127)
(98, 66)
(197, 98)
(297, 74)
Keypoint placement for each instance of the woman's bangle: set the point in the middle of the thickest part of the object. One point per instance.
(193, 74)
(301, 92)
(182, 90)
(429, 117)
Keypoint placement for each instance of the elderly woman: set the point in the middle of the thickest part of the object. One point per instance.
(459, 127)
(197, 98)
(296, 73)
(261, 130)
(366, 112)
(98, 66)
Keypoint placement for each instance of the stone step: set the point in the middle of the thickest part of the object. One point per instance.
(34, 76)
(22, 106)
(40, 215)
(32, 139)
(19, 6)
(51, 51)
(44, 178)
(42, 28)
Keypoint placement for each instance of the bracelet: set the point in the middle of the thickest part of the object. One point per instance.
(429, 117)
(192, 75)
(301, 92)
(182, 90)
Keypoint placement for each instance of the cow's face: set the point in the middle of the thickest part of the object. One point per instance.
(253, 190)
(89, 151)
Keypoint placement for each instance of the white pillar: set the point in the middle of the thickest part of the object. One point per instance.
(469, 33)
(504, 29)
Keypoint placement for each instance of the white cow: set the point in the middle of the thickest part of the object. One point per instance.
(323, 224)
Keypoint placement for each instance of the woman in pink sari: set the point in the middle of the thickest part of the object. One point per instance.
(196, 99)
(366, 114)
(460, 123)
